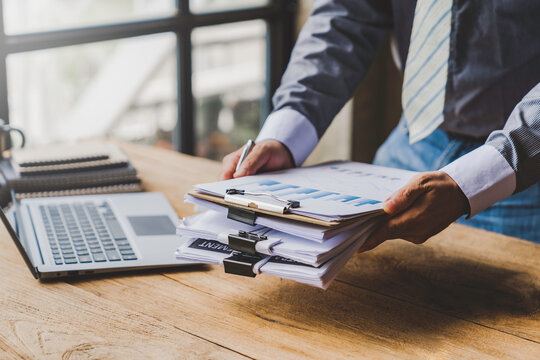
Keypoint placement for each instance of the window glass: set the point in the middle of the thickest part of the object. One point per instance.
(201, 6)
(21, 16)
(122, 88)
(229, 75)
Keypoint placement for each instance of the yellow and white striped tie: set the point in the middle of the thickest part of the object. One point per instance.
(426, 70)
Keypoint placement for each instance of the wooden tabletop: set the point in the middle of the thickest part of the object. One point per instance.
(466, 293)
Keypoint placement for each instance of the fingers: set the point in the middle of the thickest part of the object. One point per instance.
(255, 160)
(406, 196)
(229, 165)
(266, 155)
(424, 207)
(404, 226)
(412, 225)
(377, 238)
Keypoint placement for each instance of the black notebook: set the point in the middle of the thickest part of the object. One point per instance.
(67, 158)
(70, 169)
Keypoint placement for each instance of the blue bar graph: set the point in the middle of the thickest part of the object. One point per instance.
(283, 187)
(346, 198)
(294, 192)
(364, 201)
(268, 183)
(321, 194)
(363, 173)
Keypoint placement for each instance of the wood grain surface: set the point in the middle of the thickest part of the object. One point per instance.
(466, 293)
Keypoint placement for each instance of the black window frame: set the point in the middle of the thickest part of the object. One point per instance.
(279, 16)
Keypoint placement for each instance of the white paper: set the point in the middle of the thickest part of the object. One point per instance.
(214, 252)
(309, 231)
(334, 191)
(214, 226)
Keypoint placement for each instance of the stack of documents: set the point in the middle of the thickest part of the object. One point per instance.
(300, 224)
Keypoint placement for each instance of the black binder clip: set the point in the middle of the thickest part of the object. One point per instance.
(241, 264)
(244, 216)
(245, 241)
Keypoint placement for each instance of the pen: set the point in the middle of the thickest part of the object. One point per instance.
(247, 149)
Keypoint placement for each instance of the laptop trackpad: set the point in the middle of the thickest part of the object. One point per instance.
(152, 225)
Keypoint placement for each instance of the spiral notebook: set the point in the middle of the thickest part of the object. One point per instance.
(67, 158)
(70, 169)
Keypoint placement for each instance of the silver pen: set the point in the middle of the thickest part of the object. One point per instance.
(247, 149)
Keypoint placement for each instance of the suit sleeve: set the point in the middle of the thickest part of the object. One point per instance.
(519, 140)
(333, 53)
(509, 162)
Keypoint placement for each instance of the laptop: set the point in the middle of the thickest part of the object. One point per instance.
(78, 235)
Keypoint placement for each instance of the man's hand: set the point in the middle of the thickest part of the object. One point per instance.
(424, 207)
(266, 155)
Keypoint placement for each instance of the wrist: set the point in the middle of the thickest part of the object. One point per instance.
(289, 154)
(293, 130)
(484, 176)
(460, 196)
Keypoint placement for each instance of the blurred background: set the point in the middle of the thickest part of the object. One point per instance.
(195, 76)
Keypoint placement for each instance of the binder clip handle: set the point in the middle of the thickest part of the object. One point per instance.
(235, 192)
(294, 203)
(245, 242)
(288, 203)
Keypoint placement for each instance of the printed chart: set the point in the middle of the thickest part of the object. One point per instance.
(295, 192)
(329, 191)
(344, 170)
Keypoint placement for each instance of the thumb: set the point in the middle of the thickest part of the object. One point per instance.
(404, 197)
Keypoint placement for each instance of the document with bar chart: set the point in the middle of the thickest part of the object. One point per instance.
(332, 191)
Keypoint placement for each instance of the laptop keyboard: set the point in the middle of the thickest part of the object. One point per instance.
(85, 233)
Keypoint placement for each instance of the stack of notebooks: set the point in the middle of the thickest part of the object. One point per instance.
(301, 224)
(69, 169)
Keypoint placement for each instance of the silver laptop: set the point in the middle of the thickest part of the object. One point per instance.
(76, 235)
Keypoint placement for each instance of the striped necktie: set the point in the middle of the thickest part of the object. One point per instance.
(426, 70)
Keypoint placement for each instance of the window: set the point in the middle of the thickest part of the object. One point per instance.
(194, 75)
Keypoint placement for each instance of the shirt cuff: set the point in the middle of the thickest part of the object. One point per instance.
(293, 130)
(484, 176)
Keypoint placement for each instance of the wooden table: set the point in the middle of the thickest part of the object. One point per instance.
(465, 294)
